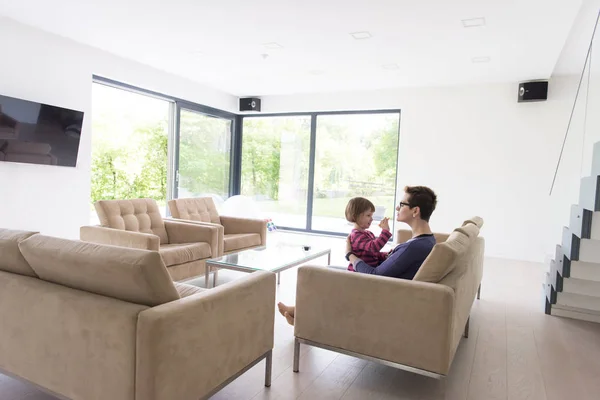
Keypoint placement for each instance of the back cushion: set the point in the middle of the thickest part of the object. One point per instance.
(136, 215)
(475, 220)
(11, 259)
(133, 275)
(442, 259)
(198, 209)
(469, 229)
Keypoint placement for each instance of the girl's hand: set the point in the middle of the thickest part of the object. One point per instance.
(384, 224)
(348, 245)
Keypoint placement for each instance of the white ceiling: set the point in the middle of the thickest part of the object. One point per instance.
(220, 42)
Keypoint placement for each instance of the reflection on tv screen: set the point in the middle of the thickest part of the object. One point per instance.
(37, 133)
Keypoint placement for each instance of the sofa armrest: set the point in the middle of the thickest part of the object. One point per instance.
(118, 237)
(402, 321)
(185, 232)
(188, 347)
(245, 225)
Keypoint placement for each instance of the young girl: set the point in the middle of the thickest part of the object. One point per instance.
(364, 243)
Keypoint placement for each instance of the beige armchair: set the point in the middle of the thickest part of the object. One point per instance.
(235, 233)
(414, 325)
(137, 223)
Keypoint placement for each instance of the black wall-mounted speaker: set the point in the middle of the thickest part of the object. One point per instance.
(250, 104)
(533, 91)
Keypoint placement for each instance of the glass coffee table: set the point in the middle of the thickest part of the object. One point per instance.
(275, 257)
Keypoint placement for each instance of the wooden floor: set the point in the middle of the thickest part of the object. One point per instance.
(514, 351)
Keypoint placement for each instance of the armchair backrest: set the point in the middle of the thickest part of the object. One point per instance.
(135, 215)
(200, 209)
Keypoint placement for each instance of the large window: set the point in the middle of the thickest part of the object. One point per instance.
(147, 144)
(275, 158)
(130, 134)
(204, 155)
(354, 154)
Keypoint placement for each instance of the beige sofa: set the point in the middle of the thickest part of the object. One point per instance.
(235, 234)
(94, 322)
(414, 325)
(137, 223)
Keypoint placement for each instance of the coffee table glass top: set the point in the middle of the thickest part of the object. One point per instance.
(273, 257)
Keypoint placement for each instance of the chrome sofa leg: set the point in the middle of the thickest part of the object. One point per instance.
(296, 355)
(268, 368)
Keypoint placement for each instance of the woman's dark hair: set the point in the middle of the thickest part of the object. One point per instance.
(422, 197)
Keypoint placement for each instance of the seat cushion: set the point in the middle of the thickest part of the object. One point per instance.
(136, 215)
(238, 241)
(11, 259)
(133, 275)
(186, 290)
(200, 209)
(442, 259)
(174, 254)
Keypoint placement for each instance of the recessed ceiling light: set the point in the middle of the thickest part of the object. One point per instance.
(473, 22)
(481, 59)
(390, 66)
(273, 46)
(361, 35)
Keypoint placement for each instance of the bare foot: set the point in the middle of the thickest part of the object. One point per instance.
(286, 309)
(290, 318)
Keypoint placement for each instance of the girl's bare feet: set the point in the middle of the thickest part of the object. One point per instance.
(283, 309)
(290, 318)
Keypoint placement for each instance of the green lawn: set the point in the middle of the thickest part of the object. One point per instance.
(334, 207)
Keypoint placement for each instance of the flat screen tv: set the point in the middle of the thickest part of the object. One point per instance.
(37, 133)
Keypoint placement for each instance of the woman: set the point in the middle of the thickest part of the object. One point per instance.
(404, 260)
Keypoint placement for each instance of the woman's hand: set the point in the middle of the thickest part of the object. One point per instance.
(384, 224)
(348, 245)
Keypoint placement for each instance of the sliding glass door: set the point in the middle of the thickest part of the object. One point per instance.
(203, 162)
(301, 170)
(356, 155)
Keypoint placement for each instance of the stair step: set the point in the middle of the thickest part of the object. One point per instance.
(581, 286)
(549, 290)
(577, 249)
(578, 301)
(584, 270)
(575, 313)
(559, 260)
(580, 223)
(589, 193)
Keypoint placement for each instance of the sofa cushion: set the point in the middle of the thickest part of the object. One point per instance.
(186, 290)
(197, 209)
(470, 230)
(475, 220)
(174, 254)
(12, 260)
(238, 241)
(442, 259)
(133, 275)
(136, 215)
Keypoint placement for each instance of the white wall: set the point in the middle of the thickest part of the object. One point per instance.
(481, 151)
(45, 68)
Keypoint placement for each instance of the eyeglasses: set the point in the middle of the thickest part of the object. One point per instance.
(401, 204)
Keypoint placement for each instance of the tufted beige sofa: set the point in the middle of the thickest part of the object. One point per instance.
(86, 321)
(409, 324)
(184, 247)
(235, 234)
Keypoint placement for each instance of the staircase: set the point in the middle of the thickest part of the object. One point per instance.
(573, 282)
